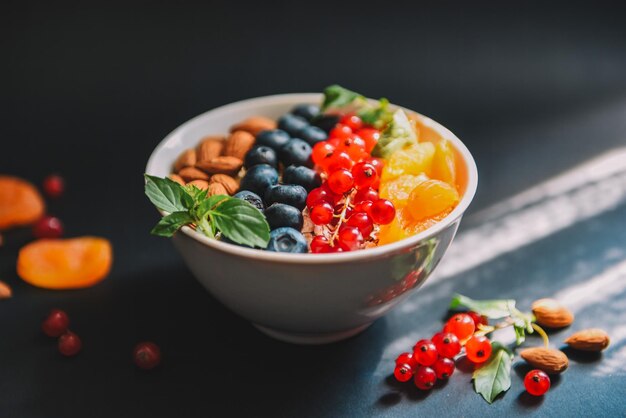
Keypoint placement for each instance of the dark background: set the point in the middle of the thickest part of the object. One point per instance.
(88, 90)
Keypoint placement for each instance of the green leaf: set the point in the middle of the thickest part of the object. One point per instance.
(398, 134)
(378, 116)
(495, 376)
(167, 195)
(171, 223)
(494, 308)
(241, 222)
(520, 334)
(208, 204)
(337, 97)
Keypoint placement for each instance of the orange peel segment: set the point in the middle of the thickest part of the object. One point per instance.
(20, 202)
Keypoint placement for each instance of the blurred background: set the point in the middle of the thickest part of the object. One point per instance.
(87, 89)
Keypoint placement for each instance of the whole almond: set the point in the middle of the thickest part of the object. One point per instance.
(216, 188)
(200, 184)
(549, 360)
(191, 173)
(551, 313)
(220, 165)
(592, 339)
(5, 290)
(210, 147)
(238, 144)
(230, 184)
(178, 179)
(186, 159)
(254, 125)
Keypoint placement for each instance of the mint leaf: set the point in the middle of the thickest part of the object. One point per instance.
(398, 134)
(494, 308)
(337, 97)
(167, 195)
(208, 204)
(378, 116)
(241, 222)
(495, 376)
(171, 223)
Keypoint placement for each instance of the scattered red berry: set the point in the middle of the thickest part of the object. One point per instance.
(56, 323)
(425, 378)
(447, 344)
(48, 227)
(407, 358)
(147, 355)
(478, 319)
(536, 382)
(69, 344)
(443, 367)
(364, 175)
(478, 349)
(383, 212)
(403, 372)
(425, 352)
(54, 185)
(352, 121)
(461, 325)
(322, 214)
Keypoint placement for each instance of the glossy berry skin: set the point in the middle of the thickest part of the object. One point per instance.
(443, 367)
(424, 378)
(378, 163)
(275, 139)
(447, 344)
(322, 214)
(341, 181)
(349, 238)
(289, 194)
(366, 194)
(461, 325)
(408, 359)
(340, 132)
(537, 382)
(478, 319)
(306, 111)
(383, 211)
(252, 198)
(287, 240)
(370, 136)
(280, 215)
(259, 178)
(321, 152)
(365, 207)
(339, 160)
(292, 124)
(478, 349)
(362, 221)
(403, 372)
(260, 155)
(302, 176)
(54, 185)
(69, 344)
(56, 323)
(364, 175)
(313, 135)
(48, 227)
(425, 352)
(318, 196)
(319, 244)
(352, 121)
(147, 355)
(354, 147)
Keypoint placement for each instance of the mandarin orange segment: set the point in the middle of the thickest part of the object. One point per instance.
(399, 189)
(443, 163)
(65, 263)
(431, 198)
(415, 160)
(20, 202)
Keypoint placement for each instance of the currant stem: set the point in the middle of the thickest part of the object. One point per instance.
(342, 218)
(543, 334)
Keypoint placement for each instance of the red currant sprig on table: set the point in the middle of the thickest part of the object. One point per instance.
(346, 207)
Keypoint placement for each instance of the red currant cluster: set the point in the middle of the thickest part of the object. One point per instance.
(50, 226)
(434, 359)
(347, 203)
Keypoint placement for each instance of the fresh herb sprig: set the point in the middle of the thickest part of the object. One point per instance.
(234, 218)
(340, 99)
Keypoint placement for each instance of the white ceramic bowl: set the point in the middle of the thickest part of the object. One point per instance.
(307, 298)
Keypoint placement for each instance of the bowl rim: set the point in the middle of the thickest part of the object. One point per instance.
(311, 258)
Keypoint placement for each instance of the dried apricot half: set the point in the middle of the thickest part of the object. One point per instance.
(65, 263)
(20, 202)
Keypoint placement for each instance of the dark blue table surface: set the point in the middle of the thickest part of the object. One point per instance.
(537, 93)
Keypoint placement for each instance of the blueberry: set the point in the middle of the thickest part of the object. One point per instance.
(306, 111)
(312, 135)
(287, 240)
(292, 124)
(280, 214)
(251, 198)
(260, 155)
(259, 178)
(289, 194)
(325, 122)
(295, 152)
(304, 176)
(274, 139)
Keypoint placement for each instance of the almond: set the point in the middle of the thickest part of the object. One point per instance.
(549, 360)
(5, 290)
(186, 159)
(238, 144)
(210, 147)
(192, 173)
(200, 184)
(551, 313)
(220, 165)
(230, 184)
(178, 179)
(592, 339)
(254, 125)
(216, 188)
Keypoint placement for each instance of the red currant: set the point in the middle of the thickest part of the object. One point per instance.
(364, 175)
(383, 212)
(322, 151)
(147, 355)
(403, 372)
(69, 344)
(365, 207)
(318, 196)
(478, 349)
(56, 323)
(339, 160)
(378, 163)
(447, 344)
(340, 181)
(407, 358)
(340, 131)
(48, 227)
(444, 367)
(54, 185)
(354, 147)
(536, 382)
(370, 136)
(366, 194)
(353, 121)
(461, 325)
(349, 238)
(362, 221)
(322, 214)
(319, 244)
(478, 319)
(425, 352)
(425, 378)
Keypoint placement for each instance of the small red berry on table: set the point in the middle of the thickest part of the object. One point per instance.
(461, 325)
(48, 227)
(403, 372)
(443, 367)
(56, 323)
(147, 355)
(478, 319)
(54, 185)
(537, 382)
(407, 358)
(447, 344)
(478, 349)
(425, 378)
(69, 344)
(425, 352)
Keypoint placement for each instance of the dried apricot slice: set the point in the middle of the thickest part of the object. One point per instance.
(443, 163)
(65, 263)
(430, 198)
(20, 202)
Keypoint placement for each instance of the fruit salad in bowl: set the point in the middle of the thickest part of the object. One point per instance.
(311, 215)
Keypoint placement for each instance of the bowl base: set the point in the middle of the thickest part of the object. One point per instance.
(311, 338)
